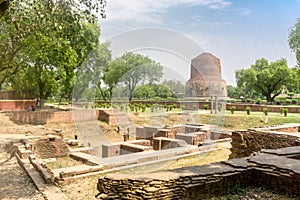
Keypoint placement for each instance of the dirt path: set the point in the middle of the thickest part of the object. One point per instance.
(14, 182)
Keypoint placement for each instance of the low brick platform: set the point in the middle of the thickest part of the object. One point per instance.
(272, 169)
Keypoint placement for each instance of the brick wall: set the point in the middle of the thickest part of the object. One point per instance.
(111, 116)
(192, 105)
(44, 116)
(15, 105)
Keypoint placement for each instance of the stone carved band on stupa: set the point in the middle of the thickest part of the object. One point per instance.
(206, 77)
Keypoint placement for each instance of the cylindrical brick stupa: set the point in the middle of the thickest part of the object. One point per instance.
(206, 77)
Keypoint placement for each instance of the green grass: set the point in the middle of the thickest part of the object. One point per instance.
(240, 120)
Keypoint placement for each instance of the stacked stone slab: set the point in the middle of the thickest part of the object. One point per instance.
(273, 169)
(246, 142)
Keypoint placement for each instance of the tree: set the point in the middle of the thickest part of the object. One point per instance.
(294, 40)
(266, 78)
(234, 92)
(131, 69)
(144, 92)
(162, 91)
(177, 88)
(296, 83)
(113, 74)
(21, 19)
(90, 74)
(47, 37)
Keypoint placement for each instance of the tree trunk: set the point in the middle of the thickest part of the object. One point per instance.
(130, 95)
(269, 99)
(110, 94)
(102, 94)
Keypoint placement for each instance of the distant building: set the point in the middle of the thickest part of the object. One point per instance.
(206, 77)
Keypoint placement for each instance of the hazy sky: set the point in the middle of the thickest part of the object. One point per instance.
(236, 31)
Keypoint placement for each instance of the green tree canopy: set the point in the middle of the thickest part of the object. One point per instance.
(48, 38)
(294, 40)
(177, 88)
(152, 90)
(90, 74)
(132, 69)
(266, 78)
(144, 92)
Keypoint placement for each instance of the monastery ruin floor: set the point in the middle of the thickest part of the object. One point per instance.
(252, 157)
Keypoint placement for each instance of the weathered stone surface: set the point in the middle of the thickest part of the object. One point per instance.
(276, 172)
(244, 143)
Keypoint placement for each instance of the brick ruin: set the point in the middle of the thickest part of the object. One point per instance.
(152, 144)
(275, 168)
(157, 138)
(50, 146)
(252, 158)
(244, 143)
(206, 77)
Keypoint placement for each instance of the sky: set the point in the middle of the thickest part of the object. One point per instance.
(173, 32)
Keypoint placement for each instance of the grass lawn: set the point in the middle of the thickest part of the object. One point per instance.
(240, 120)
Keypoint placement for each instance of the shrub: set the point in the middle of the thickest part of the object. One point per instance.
(285, 111)
(205, 106)
(282, 100)
(290, 94)
(281, 110)
(232, 109)
(248, 100)
(258, 101)
(168, 107)
(143, 107)
(265, 110)
(294, 101)
(131, 107)
(170, 99)
(122, 107)
(248, 109)
(157, 98)
(288, 101)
